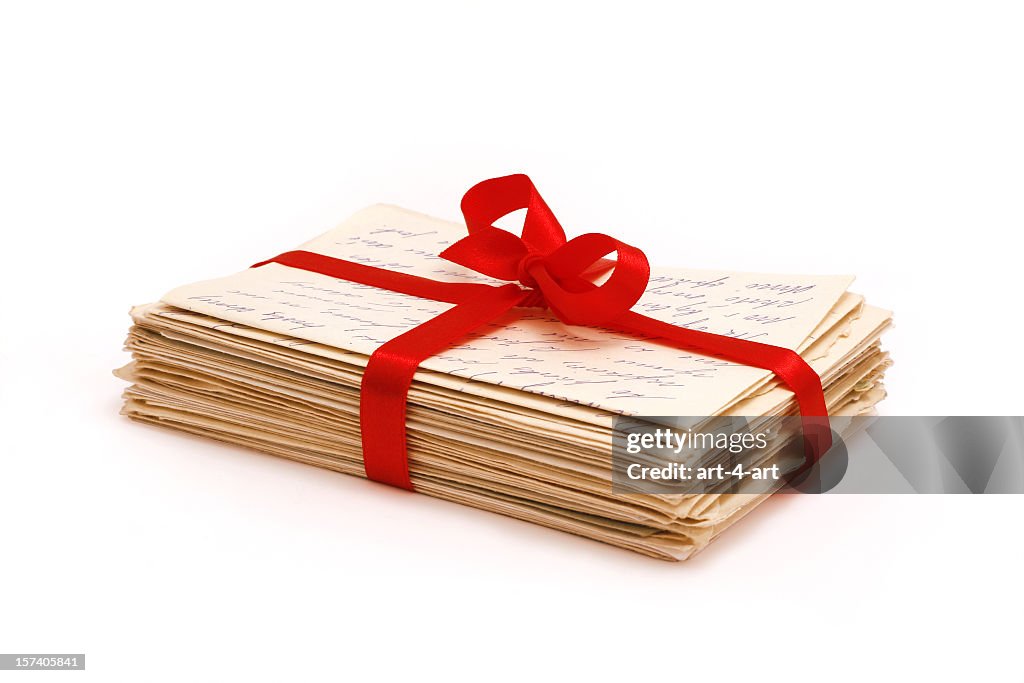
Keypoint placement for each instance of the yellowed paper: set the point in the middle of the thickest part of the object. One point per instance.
(533, 352)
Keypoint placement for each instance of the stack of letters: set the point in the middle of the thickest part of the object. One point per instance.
(517, 419)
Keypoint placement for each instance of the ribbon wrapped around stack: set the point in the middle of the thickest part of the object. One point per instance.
(429, 420)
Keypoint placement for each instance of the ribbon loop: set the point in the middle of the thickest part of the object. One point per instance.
(492, 199)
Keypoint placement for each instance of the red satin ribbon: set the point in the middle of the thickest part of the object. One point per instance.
(555, 274)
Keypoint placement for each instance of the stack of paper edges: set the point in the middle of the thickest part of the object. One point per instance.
(519, 418)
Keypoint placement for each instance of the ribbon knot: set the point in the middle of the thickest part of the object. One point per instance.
(542, 259)
(523, 270)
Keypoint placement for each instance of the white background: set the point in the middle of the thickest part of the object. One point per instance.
(146, 145)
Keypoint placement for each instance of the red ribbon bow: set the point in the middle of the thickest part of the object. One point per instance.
(557, 274)
(542, 259)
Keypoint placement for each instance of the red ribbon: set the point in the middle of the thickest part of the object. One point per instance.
(554, 274)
